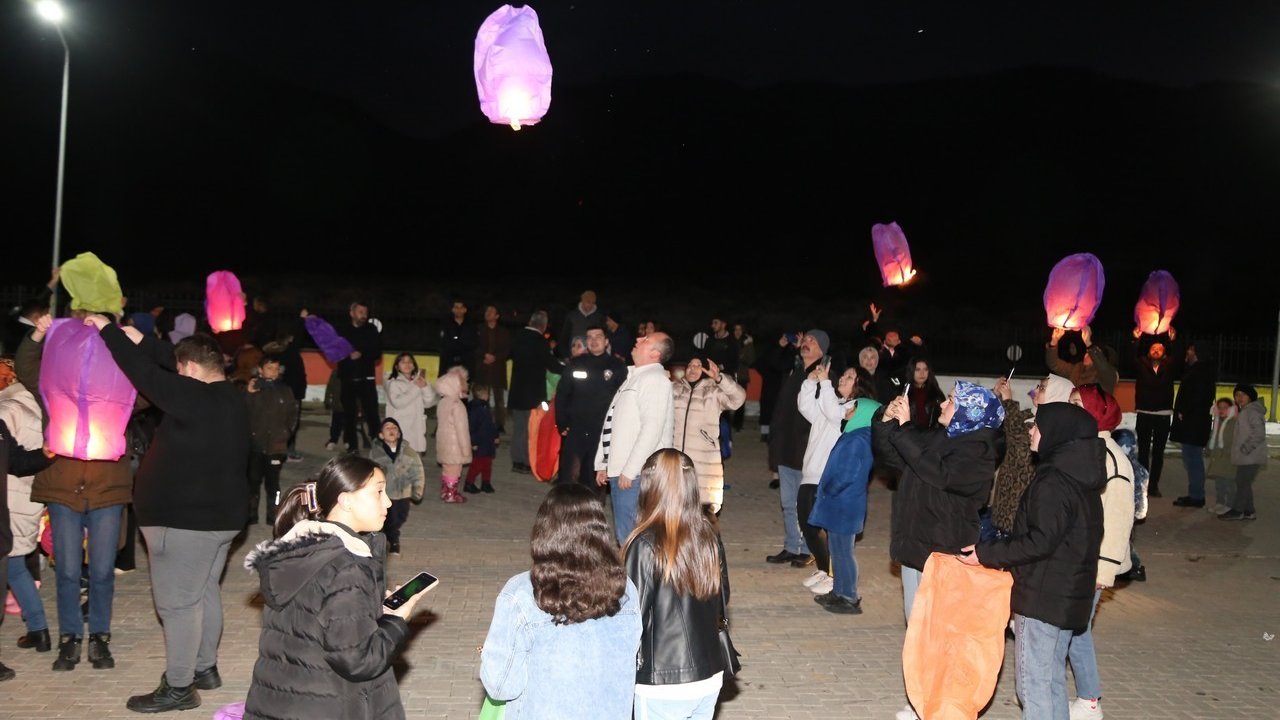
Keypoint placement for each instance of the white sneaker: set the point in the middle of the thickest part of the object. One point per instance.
(823, 586)
(906, 713)
(1086, 709)
(816, 576)
(1219, 509)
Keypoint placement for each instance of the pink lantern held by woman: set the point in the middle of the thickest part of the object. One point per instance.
(88, 399)
(224, 301)
(892, 254)
(1074, 291)
(512, 68)
(1157, 303)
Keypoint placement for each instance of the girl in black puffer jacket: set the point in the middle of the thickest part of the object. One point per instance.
(327, 641)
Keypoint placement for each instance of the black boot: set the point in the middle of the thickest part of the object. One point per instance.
(37, 640)
(100, 651)
(165, 698)
(68, 652)
(271, 513)
(208, 679)
(253, 510)
(6, 673)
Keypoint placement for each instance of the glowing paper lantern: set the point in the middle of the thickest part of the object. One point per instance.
(1157, 303)
(513, 70)
(334, 346)
(223, 301)
(1074, 291)
(88, 399)
(892, 254)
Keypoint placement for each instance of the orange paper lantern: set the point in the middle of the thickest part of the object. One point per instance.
(1157, 303)
(1074, 291)
(224, 301)
(88, 399)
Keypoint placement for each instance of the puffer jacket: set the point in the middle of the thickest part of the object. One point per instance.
(1249, 444)
(453, 428)
(326, 647)
(681, 639)
(272, 415)
(697, 425)
(944, 484)
(20, 412)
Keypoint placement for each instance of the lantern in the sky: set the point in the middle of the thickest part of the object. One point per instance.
(892, 254)
(1074, 291)
(513, 70)
(331, 344)
(1157, 303)
(87, 398)
(224, 301)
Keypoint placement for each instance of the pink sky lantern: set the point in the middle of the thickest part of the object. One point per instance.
(513, 70)
(892, 254)
(1157, 303)
(224, 301)
(1074, 291)
(88, 399)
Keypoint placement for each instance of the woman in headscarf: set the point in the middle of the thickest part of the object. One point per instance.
(1053, 554)
(1017, 469)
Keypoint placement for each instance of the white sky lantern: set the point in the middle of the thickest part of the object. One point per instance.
(513, 70)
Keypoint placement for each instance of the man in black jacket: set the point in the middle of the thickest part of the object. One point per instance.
(1153, 399)
(582, 401)
(358, 375)
(531, 360)
(459, 339)
(191, 497)
(1193, 421)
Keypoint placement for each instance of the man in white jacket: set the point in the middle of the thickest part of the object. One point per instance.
(640, 421)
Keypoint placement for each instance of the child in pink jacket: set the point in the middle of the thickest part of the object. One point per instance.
(453, 433)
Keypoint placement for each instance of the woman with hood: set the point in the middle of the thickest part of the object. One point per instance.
(699, 398)
(1248, 451)
(327, 641)
(1114, 556)
(1017, 470)
(1053, 554)
(453, 433)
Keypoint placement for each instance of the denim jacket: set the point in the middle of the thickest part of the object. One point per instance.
(543, 670)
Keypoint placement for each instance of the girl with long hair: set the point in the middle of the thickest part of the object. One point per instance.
(677, 563)
(327, 641)
(409, 395)
(564, 635)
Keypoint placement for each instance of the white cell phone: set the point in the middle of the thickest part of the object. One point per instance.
(1010, 378)
(420, 583)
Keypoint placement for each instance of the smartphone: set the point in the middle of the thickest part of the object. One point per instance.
(793, 338)
(826, 361)
(421, 582)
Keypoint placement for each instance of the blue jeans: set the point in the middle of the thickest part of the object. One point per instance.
(1193, 461)
(703, 708)
(910, 583)
(1040, 654)
(625, 506)
(789, 488)
(1084, 661)
(844, 565)
(69, 528)
(28, 597)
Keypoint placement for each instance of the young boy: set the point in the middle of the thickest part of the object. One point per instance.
(484, 440)
(406, 479)
(272, 415)
(1218, 455)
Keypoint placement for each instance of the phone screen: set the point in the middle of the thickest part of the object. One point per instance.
(422, 582)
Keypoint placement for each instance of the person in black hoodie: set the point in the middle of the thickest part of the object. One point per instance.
(1053, 553)
(1193, 421)
(327, 641)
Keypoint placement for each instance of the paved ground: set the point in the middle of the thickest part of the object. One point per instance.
(1189, 643)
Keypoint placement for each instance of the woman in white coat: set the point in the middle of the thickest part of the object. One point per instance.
(409, 394)
(21, 414)
(699, 397)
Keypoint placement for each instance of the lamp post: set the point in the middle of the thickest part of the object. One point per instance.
(52, 11)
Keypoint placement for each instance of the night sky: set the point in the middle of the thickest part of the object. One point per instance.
(185, 147)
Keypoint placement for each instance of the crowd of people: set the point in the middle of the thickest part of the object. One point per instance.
(629, 581)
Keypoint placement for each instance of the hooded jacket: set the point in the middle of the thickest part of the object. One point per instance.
(1249, 444)
(453, 429)
(326, 645)
(1017, 470)
(1053, 551)
(21, 414)
(697, 428)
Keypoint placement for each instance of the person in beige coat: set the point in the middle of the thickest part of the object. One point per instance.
(453, 433)
(21, 414)
(699, 397)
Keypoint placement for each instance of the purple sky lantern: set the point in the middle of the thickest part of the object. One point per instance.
(331, 344)
(224, 301)
(892, 254)
(88, 399)
(1157, 303)
(1074, 291)
(513, 70)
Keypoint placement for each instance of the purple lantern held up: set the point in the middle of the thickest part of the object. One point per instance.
(513, 70)
(892, 254)
(224, 301)
(331, 344)
(88, 398)
(1074, 291)
(1157, 303)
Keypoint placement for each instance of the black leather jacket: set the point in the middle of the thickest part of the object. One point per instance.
(680, 642)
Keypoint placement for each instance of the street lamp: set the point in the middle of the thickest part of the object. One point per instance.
(52, 11)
